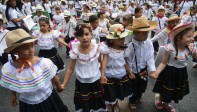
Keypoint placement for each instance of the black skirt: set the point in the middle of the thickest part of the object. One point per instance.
(52, 104)
(88, 97)
(172, 84)
(117, 89)
(54, 57)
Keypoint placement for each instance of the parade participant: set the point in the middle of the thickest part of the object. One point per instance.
(147, 11)
(172, 82)
(47, 6)
(131, 8)
(64, 5)
(162, 36)
(30, 76)
(96, 29)
(138, 12)
(3, 31)
(26, 8)
(115, 79)
(72, 10)
(185, 6)
(161, 20)
(39, 14)
(103, 23)
(85, 61)
(127, 23)
(141, 57)
(122, 13)
(46, 38)
(54, 4)
(57, 18)
(68, 29)
(86, 13)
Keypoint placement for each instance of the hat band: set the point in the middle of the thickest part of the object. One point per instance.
(143, 27)
(22, 40)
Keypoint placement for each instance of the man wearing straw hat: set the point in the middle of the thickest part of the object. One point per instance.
(141, 57)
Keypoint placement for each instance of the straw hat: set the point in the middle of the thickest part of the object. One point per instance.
(39, 8)
(180, 27)
(67, 13)
(143, 24)
(116, 31)
(173, 17)
(93, 4)
(16, 38)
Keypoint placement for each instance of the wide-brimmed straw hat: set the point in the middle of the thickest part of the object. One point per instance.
(67, 13)
(179, 28)
(116, 31)
(173, 17)
(39, 8)
(143, 24)
(16, 38)
(93, 4)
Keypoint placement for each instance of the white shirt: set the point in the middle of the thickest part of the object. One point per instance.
(3, 44)
(48, 7)
(70, 26)
(147, 13)
(145, 55)
(73, 11)
(13, 14)
(187, 18)
(87, 66)
(116, 63)
(103, 24)
(161, 23)
(96, 33)
(122, 14)
(58, 18)
(46, 41)
(54, 3)
(186, 6)
(131, 9)
(26, 9)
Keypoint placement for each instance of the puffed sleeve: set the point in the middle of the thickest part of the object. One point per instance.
(73, 54)
(103, 48)
(56, 34)
(50, 68)
(127, 52)
(35, 34)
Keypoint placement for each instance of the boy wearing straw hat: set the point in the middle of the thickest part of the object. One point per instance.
(141, 57)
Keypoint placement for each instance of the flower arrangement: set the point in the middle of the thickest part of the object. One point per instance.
(117, 32)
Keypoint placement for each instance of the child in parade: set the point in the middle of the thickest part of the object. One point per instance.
(115, 79)
(3, 31)
(161, 20)
(147, 11)
(30, 76)
(172, 77)
(26, 8)
(127, 23)
(141, 57)
(138, 12)
(68, 29)
(46, 42)
(86, 13)
(39, 14)
(57, 18)
(122, 13)
(85, 60)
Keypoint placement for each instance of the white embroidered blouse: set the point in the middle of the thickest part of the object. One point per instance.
(32, 86)
(87, 66)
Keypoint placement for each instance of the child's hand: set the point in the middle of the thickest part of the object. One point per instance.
(60, 89)
(13, 100)
(103, 80)
(154, 75)
(131, 76)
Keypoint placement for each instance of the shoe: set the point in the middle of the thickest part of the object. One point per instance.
(169, 108)
(132, 106)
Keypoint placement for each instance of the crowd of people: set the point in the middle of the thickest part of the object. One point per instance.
(111, 52)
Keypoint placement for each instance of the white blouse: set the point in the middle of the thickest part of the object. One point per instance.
(46, 41)
(182, 57)
(13, 14)
(161, 23)
(26, 9)
(115, 64)
(103, 24)
(87, 66)
(58, 18)
(33, 86)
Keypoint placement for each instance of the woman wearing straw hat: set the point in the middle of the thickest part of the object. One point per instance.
(30, 76)
(141, 57)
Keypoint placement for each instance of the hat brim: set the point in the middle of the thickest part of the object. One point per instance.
(67, 15)
(12, 47)
(153, 25)
(174, 32)
(177, 18)
(122, 35)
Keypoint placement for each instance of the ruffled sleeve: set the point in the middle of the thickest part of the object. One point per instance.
(56, 34)
(36, 34)
(28, 80)
(127, 53)
(103, 48)
(73, 54)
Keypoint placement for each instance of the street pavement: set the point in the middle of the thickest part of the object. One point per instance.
(188, 104)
